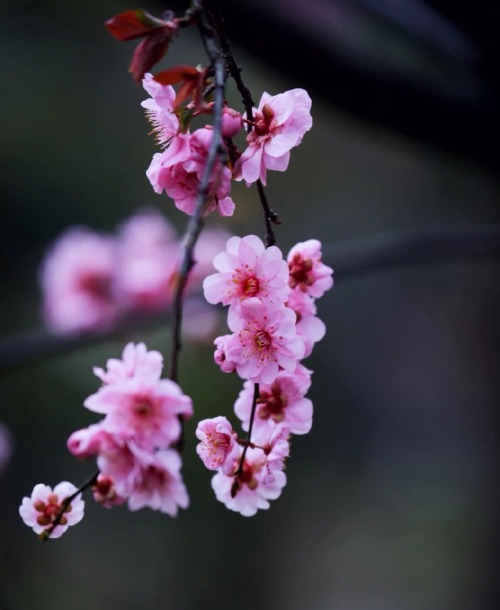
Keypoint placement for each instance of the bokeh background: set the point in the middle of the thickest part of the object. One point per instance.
(392, 500)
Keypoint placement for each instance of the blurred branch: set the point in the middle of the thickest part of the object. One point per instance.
(350, 258)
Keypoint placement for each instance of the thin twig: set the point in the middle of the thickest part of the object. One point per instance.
(250, 427)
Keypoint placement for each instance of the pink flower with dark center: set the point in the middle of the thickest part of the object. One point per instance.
(144, 411)
(281, 403)
(158, 482)
(264, 340)
(218, 447)
(179, 170)
(307, 272)
(248, 269)
(136, 363)
(77, 278)
(159, 109)
(280, 123)
(41, 509)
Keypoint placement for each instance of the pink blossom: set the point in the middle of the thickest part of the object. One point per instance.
(307, 272)
(248, 269)
(280, 124)
(179, 169)
(281, 403)
(251, 489)
(143, 410)
(41, 509)
(87, 442)
(309, 327)
(218, 447)
(264, 340)
(159, 109)
(148, 262)
(158, 483)
(136, 363)
(77, 282)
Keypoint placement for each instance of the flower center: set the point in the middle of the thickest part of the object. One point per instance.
(300, 271)
(262, 340)
(143, 407)
(250, 286)
(272, 404)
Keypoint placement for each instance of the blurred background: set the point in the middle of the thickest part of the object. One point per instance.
(392, 500)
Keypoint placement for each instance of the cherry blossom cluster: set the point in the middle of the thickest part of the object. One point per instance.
(279, 124)
(272, 316)
(90, 281)
(134, 445)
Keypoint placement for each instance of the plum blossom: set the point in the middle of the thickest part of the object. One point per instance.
(218, 447)
(264, 340)
(160, 109)
(104, 492)
(144, 410)
(220, 355)
(307, 272)
(178, 171)
(77, 279)
(158, 483)
(261, 477)
(280, 123)
(40, 510)
(136, 362)
(281, 403)
(248, 269)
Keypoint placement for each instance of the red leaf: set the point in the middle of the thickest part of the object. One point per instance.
(133, 24)
(176, 75)
(148, 53)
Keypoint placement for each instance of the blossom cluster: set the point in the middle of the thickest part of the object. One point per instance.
(90, 280)
(279, 124)
(134, 445)
(272, 316)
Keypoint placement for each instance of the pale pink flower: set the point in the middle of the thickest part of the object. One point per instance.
(117, 460)
(145, 411)
(179, 169)
(77, 278)
(40, 510)
(307, 272)
(248, 269)
(309, 327)
(136, 363)
(264, 340)
(159, 109)
(281, 403)
(149, 257)
(280, 124)
(158, 482)
(252, 489)
(218, 447)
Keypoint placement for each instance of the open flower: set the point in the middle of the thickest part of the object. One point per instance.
(280, 124)
(41, 509)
